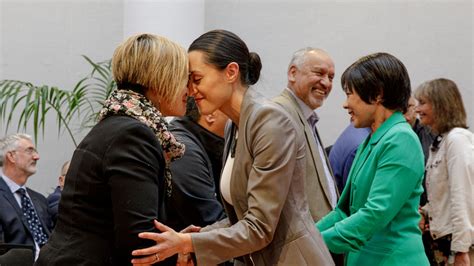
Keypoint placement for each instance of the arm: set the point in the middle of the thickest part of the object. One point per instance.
(132, 166)
(460, 163)
(396, 178)
(330, 219)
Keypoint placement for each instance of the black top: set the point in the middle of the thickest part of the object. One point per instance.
(196, 197)
(113, 191)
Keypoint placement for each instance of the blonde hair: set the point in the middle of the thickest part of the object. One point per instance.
(446, 101)
(151, 62)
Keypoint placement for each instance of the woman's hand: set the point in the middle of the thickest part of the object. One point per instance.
(191, 229)
(462, 259)
(424, 226)
(168, 243)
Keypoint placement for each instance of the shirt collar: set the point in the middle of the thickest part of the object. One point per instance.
(12, 185)
(307, 112)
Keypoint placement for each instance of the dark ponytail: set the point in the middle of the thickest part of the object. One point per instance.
(255, 65)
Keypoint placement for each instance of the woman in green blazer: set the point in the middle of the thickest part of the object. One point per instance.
(376, 219)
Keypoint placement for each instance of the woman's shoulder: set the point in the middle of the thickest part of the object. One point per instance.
(459, 132)
(460, 135)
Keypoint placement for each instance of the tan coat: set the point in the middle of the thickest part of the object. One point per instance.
(316, 184)
(270, 223)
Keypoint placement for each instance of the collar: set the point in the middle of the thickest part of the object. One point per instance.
(307, 112)
(396, 118)
(12, 185)
(212, 143)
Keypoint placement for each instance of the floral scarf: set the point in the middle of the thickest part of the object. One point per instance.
(135, 105)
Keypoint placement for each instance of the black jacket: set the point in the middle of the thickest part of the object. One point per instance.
(114, 189)
(195, 198)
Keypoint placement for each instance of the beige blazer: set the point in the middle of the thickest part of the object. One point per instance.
(269, 223)
(316, 185)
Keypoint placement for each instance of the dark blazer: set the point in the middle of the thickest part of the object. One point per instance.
(269, 222)
(13, 226)
(114, 189)
(194, 199)
(53, 203)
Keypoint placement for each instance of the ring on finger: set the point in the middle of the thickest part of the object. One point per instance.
(156, 257)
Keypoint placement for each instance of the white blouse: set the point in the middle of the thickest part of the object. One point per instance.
(450, 189)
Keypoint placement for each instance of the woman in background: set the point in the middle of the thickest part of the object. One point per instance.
(376, 219)
(449, 173)
(119, 174)
(262, 183)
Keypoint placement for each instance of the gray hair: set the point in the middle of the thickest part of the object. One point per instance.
(10, 143)
(299, 56)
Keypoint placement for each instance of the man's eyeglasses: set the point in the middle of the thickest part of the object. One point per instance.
(29, 151)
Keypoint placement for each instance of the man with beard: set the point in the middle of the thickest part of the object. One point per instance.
(24, 215)
(310, 75)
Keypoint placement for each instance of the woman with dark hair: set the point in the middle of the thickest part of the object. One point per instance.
(449, 174)
(376, 219)
(119, 174)
(262, 184)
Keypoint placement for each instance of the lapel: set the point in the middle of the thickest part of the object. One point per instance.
(8, 195)
(312, 147)
(366, 148)
(242, 159)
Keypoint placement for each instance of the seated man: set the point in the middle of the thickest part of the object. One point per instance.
(53, 198)
(24, 215)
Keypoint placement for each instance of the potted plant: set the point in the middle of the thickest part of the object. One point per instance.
(34, 103)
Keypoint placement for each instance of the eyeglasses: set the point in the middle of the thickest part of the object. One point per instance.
(29, 151)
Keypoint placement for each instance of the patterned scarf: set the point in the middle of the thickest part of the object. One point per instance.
(135, 105)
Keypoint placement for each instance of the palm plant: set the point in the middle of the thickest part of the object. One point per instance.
(34, 103)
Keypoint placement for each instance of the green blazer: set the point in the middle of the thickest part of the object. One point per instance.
(376, 219)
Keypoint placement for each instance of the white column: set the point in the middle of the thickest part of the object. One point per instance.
(179, 20)
(1, 41)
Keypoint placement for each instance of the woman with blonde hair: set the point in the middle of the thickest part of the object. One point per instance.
(119, 174)
(449, 173)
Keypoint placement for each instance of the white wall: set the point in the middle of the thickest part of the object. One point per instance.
(179, 20)
(41, 41)
(433, 39)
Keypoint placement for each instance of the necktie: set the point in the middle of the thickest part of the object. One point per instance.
(32, 218)
(312, 120)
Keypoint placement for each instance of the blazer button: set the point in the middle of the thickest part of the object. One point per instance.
(431, 218)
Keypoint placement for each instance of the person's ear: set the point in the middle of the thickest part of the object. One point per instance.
(210, 119)
(292, 73)
(232, 72)
(9, 156)
(378, 100)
